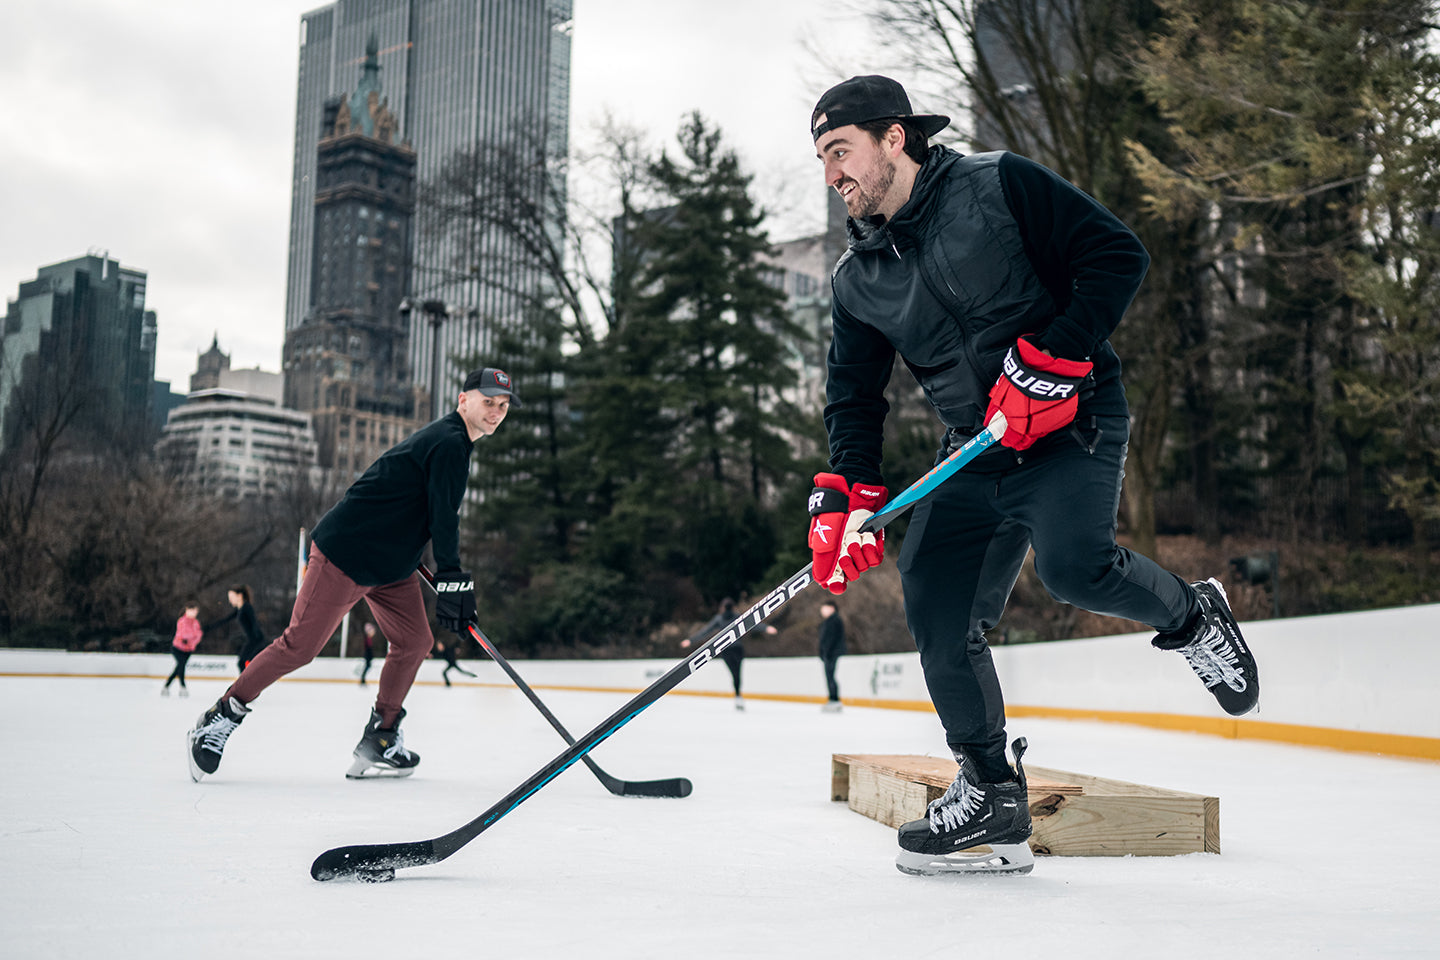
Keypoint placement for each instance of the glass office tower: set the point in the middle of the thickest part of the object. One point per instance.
(458, 74)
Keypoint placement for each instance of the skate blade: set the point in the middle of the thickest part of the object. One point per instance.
(363, 769)
(196, 773)
(1003, 859)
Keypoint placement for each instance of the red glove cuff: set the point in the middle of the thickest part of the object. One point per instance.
(1065, 376)
(868, 496)
(1037, 393)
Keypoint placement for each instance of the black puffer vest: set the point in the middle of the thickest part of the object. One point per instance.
(947, 281)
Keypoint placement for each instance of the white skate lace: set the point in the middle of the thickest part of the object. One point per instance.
(397, 749)
(217, 731)
(1214, 660)
(956, 806)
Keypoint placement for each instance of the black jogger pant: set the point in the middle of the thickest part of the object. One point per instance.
(831, 687)
(181, 658)
(964, 549)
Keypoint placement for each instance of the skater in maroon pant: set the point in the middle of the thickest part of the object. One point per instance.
(368, 547)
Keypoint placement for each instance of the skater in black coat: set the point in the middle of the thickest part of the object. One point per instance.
(832, 648)
(998, 283)
(448, 653)
(253, 638)
(734, 653)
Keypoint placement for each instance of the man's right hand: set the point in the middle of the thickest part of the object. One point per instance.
(454, 600)
(839, 552)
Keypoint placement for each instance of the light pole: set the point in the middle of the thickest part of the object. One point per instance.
(437, 312)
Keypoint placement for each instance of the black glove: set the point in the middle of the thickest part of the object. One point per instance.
(454, 600)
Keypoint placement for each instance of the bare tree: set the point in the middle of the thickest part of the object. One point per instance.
(1054, 80)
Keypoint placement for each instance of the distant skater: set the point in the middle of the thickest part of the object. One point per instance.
(832, 648)
(188, 632)
(448, 654)
(369, 631)
(734, 654)
(243, 611)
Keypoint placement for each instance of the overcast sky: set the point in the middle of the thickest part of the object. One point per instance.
(162, 131)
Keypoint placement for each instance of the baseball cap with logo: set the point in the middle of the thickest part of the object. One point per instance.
(492, 383)
(862, 99)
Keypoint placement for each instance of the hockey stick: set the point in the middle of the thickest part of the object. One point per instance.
(379, 861)
(674, 787)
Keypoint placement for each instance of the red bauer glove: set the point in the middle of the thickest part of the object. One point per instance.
(1037, 393)
(839, 551)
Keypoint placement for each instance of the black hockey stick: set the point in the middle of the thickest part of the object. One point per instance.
(674, 787)
(379, 861)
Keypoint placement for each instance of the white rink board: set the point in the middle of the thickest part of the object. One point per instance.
(1370, 671)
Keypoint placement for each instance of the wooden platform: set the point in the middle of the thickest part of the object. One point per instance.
(1074, 814)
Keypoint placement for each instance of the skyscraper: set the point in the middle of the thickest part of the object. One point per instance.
(347, 363)
(459, 75)
(78, 337)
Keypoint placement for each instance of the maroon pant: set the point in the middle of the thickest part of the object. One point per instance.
(326, 595)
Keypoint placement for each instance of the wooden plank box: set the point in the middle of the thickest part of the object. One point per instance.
(1074, 814)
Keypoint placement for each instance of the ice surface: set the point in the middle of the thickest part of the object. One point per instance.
(108, 850)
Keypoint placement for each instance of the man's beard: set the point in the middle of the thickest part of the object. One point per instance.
(870, 190)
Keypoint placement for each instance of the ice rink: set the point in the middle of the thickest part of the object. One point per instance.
(107, 849)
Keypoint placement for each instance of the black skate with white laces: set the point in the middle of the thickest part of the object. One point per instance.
(1216, 651)
(207, 739)
(381, 751)
(972, 814)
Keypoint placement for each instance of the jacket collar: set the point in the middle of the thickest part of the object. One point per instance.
(866, 234)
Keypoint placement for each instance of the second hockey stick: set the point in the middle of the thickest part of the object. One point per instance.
(379, 861)
(674, 787)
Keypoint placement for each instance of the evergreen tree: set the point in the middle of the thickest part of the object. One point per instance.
(712, 330)
(1276, 107)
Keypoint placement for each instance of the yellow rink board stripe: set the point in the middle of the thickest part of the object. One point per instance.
(1234, 728)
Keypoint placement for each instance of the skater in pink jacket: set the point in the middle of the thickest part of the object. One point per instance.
(187, 637)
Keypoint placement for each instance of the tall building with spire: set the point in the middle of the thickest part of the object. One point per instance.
(347, 361)
(209, 366)
(459, 75)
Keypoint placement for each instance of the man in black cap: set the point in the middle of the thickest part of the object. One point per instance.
(998, 283)
(369, 546)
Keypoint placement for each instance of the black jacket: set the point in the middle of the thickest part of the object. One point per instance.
(411, 495)
(988, 247)
(249, 624)
(832, 637)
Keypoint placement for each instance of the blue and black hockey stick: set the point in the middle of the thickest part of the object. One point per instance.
(379, 861)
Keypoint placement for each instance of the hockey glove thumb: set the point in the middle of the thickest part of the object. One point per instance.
(839, 551)
(454, 600)
(1037, 393)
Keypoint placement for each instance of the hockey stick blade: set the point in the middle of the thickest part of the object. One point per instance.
(376, 860)
(372, 860)
(671, 788)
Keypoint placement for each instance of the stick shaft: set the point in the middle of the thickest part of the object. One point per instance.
(678, 786)
(348, 861)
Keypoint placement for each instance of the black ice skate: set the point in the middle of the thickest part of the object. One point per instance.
(207, 740)
(381, 752)
(1216, 652)
(971, 814)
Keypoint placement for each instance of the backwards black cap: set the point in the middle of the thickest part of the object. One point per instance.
(862, 99)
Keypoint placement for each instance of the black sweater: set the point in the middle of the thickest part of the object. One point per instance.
(832, 637)
(249, 624)
(411, 495)
(896, 289)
